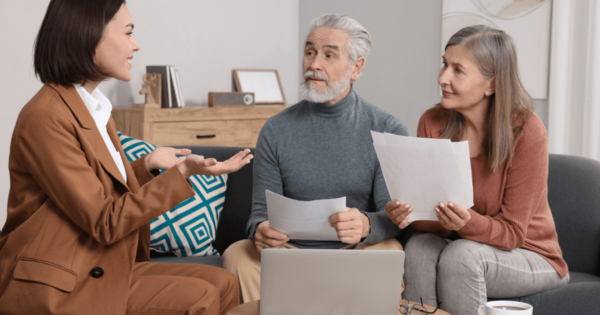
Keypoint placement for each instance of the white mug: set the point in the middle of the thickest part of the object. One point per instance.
(506, 308)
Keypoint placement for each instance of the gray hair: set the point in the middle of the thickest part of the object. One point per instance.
(495, 53)
(359, 41)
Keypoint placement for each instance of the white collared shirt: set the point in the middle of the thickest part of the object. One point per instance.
(100, 109)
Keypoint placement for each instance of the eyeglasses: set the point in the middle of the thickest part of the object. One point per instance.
(416, 309)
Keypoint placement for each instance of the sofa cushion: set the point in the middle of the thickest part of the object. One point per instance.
(203, 260)
(190, 227)
(238, 198)
(580, 277)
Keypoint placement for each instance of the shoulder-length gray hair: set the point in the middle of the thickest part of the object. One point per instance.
(493, 51)
(359, 41)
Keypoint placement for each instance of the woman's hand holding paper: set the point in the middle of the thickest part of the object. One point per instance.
(398, 212)
(452, 216)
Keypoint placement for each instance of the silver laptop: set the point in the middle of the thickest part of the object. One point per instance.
(329, 282)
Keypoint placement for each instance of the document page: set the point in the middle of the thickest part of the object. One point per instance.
(303, 220)
(425, 172)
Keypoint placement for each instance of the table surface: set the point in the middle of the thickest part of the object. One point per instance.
(253, 308)
(430, 309)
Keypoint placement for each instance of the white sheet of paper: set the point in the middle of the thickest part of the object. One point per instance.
(303, 220)
(463, 160)
(404, 141)
(378, 137)
(425, 172)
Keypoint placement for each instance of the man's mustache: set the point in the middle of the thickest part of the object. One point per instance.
(315, 75)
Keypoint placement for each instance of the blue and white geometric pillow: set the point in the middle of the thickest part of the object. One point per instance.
(190, 227)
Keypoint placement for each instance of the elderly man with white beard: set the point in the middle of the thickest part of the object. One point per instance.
(321, 148)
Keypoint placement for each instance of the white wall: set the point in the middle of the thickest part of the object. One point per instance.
(400, 75)
(17, 82)
(204, 40)
(541, 110)
(571, 103)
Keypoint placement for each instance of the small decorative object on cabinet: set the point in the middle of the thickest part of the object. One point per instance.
(265, 84)
(236, 126)
(171, 87)
(230, 99)
(151, 88)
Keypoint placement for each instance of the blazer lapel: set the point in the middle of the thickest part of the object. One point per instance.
(85, 119)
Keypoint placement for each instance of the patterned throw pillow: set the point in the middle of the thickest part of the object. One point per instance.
(190, 227)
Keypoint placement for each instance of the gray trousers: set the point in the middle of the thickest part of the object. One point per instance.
(462, 274)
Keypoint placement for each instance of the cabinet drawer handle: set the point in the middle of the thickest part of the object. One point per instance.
(205, 136)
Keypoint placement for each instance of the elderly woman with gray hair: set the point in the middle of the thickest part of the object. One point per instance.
(506, 245)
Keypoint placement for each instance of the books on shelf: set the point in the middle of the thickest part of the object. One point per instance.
(171, 96)
(179, 88)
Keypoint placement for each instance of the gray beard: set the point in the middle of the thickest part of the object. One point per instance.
(332, 91)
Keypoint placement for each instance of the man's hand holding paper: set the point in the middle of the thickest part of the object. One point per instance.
(268, 237)
(351, 225)
(313, 220)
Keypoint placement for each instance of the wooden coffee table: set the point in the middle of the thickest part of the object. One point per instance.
(253, 308)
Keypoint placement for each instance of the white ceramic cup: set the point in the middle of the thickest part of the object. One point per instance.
(506, 308)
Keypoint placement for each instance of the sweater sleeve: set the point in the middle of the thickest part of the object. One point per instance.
(381, 226)
(526, 185)
(266, 176)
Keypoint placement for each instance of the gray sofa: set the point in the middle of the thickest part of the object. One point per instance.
(573, 194)
(574, 197)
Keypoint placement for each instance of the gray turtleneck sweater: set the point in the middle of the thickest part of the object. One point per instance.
(313, 151)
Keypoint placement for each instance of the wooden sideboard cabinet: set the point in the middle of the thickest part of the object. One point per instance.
(236, 126)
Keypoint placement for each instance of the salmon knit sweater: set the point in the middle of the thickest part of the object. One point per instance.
(511, 205)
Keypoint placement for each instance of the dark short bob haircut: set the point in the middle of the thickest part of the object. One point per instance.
(67, 40)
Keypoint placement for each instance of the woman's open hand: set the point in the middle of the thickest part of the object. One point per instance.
(163, 158)
(197, 165)
(452, 216)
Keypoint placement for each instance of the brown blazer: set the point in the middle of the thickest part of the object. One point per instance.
(70, 211)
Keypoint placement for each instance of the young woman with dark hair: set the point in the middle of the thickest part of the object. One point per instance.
(506, 245)
(77, 234)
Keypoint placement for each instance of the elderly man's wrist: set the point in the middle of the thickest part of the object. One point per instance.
(366, 225)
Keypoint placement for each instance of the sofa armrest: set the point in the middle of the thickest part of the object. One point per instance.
(573, 186)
